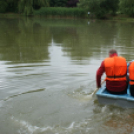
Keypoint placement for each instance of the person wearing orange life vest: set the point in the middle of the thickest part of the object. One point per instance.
(131, 77)
(115, 68)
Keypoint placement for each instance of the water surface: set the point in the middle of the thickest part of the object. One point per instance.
(47, 71)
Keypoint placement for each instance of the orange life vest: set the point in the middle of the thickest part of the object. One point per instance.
(115, 68)
(131, 73)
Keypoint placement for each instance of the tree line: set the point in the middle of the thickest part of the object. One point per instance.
(97, 7)
(102, 7)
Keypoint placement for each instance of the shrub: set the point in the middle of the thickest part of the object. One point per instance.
(58, 3)
(61, 11)
(72, 3)
(12, 5)
(3, 6)
(127, 7)
(100, 7)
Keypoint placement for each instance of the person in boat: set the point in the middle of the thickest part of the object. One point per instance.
(131, 77)
(115, 68)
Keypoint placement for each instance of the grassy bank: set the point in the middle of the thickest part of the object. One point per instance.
(121, 17)
(61, 12)
(67, 13)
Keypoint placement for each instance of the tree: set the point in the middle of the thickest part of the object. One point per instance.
(58, 3)
(3, 6)
(52, 3)
(26, 6)
(93, 6)
(99, 7)
(127, 7)
(12, 6)
(72, 3)
(113, 5)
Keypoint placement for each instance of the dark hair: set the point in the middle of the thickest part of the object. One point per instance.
(112, 51)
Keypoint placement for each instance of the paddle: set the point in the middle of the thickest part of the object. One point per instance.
(97, 88)
(89, 97)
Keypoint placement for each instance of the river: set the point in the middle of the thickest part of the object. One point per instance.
(47, 71)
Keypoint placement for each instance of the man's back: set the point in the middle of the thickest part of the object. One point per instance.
(115, 68)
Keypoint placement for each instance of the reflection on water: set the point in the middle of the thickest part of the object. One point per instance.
(48, 69)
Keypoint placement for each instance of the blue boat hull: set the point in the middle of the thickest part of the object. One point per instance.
(125, 100)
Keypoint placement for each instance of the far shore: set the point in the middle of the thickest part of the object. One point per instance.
(119, 17)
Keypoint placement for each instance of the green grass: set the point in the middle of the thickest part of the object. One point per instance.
(60, 11)
(122, 17)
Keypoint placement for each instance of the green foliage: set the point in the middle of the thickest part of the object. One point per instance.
(99, 7)
(3, 6)
(37, 4)
(52, 3)
(94, 6)
(127, 7)
(61, 11)
(26, 6)
(113, 5)
(12, 6)
(42, 3)
(110, 5)
(58, 3)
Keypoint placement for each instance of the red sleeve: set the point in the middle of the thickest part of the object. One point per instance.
(99, 73)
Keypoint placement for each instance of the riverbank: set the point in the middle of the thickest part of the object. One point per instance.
(118, 17)
(121, 17)
(61, 12)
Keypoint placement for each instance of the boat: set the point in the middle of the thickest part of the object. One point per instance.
(124, 100)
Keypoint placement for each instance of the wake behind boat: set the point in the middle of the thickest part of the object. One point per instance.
(125, 100)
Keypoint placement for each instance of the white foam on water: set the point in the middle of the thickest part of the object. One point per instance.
(27, 128)
(1, 103)
(72, 125)
(46, 128)
(82, 97)
(30, 129)
(103, 109)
